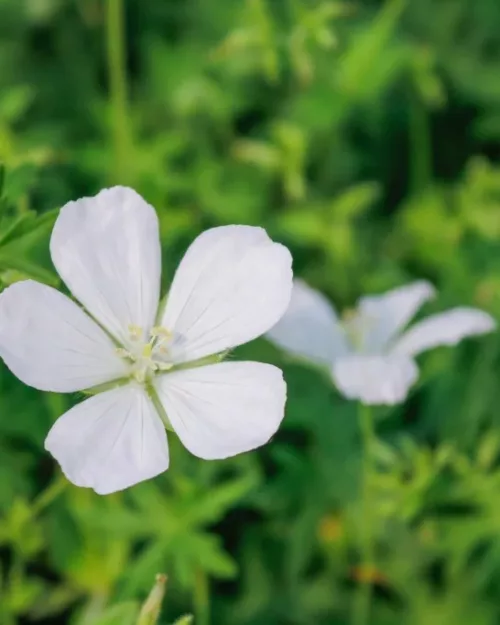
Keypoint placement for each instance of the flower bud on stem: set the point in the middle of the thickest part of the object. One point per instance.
(150, 610)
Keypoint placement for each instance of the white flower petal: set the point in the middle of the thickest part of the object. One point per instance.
(111, 441)
(375, 379)
(232, 285)
(384, 316)
(107, 250)
(310, 327)
(223, 409)
(447, 328)
(48, 342)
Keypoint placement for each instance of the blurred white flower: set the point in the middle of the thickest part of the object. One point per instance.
(232, 285)
(369, 353)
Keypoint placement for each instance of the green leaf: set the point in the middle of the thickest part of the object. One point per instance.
(27, 268)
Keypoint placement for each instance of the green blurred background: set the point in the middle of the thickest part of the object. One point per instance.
(365, 135)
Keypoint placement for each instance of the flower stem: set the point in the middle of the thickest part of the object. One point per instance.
(421, 149)
(115, 39)
(361, 612)
(201, 598)
(50, 494)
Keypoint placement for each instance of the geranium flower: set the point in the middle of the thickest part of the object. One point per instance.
(232, 285)
(368, 351)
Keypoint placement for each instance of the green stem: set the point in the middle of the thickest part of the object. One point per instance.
(420, 147)
(115, 36)
(50, 494)
(201, 598)
(361, 612)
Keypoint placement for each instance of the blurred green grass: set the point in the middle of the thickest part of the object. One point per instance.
(365, 136)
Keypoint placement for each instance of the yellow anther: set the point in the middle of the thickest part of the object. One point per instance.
(135, 332)
(124, 353)
(145, 357)
(161, 331)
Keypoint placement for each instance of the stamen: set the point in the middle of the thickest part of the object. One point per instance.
(144, 357)
(160, 331)
(124, 353)
(357, 326)
(135, 332)
(160, 336)
(352, 327)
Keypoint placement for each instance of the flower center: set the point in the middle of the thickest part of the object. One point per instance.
(357, 326)
(147, 359)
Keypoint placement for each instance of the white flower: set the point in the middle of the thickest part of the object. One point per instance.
(370, 356)
(232, 285)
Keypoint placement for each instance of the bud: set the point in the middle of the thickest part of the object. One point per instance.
(150, 610)
(187, 619)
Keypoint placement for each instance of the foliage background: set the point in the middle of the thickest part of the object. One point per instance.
(365, 136)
